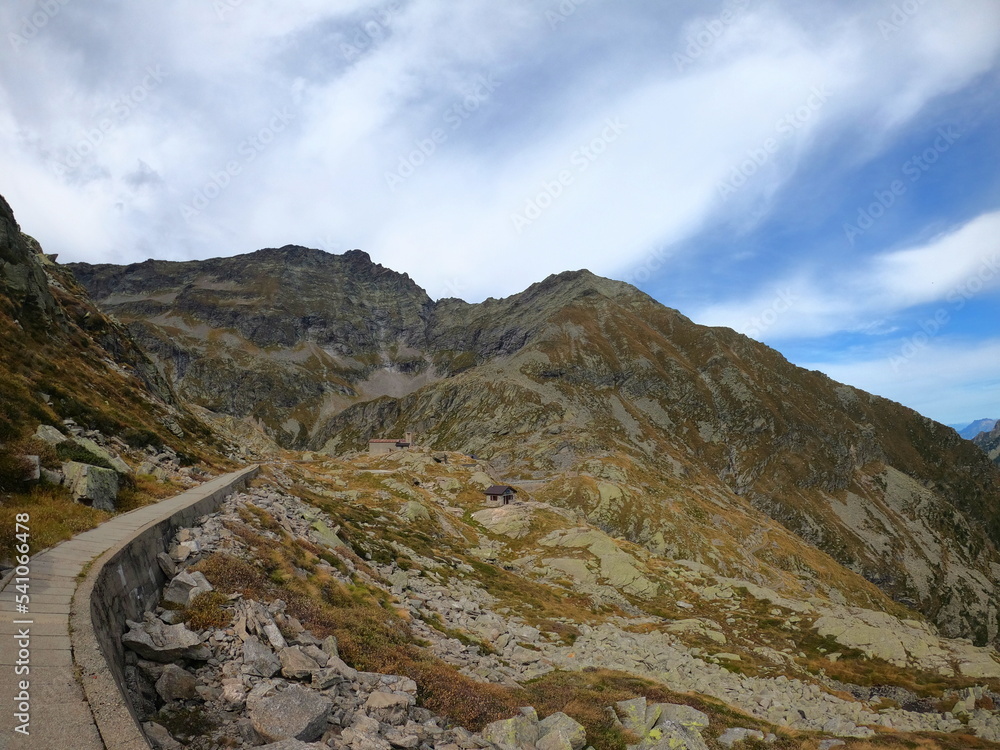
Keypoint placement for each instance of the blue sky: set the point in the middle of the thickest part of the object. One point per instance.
(819, 175)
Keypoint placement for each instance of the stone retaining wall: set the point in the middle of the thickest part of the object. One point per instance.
(122, 584)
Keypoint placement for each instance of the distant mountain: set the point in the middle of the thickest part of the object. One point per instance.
(970, 431)
(676, 436)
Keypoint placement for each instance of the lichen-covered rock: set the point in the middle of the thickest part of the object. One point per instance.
(512, 734)
(91, 485)
(572, 731)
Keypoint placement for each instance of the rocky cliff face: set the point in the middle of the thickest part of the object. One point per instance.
(669, 434)
(990, 443)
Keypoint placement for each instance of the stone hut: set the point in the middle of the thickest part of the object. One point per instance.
(378, 446)
(500, 494)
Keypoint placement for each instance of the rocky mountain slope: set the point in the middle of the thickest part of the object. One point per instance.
(76, 395)
(672, 435)
(288, 619)
(990, 443)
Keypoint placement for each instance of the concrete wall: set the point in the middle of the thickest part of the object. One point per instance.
(125, 583)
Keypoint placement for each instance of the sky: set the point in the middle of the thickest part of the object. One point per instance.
(821, 176)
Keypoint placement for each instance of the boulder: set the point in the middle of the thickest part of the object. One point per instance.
(561, 724)
(34, 464)
(91, 485)
(324, 535)
(176, 684)
(155, 640)
(160, 738)
(234, 694)
(388, 708)
(737, 734)
(49, 434)
(415, 512)
(294, 713)
(685, 716)
(512, 734)
(113, 461)
(185, 587)
(512, 521)
(295, 665)
(259, 659)
(167, 565)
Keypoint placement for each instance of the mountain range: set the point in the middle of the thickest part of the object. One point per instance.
(672, 435)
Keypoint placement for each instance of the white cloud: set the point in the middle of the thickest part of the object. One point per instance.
(449, 225)
(948, 380)
(949, 270)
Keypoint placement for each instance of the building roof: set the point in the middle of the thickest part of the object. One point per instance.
(500, 489)
(387, 440)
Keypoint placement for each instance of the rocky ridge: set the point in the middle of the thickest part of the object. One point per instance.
(579, 376)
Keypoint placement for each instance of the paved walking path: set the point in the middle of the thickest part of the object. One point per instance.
(60, 715)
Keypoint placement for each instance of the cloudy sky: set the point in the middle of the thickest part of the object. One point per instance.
(821, 175)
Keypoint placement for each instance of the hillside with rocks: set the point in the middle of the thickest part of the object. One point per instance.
(287, 620)
(662, 431)
(88, 425)
(990, 443)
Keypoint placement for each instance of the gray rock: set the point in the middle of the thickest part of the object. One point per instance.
(34, 472)
(157, 641)
(185, 587)
(685, 716)
(296, 712)
(116, 463)
(167, 565)
(259, 659)
(49, 434)
(290, 744)
(295, 665)
(570, 729)
(827, 744)
(160, 738)
(234, 695)
(176, 684)
(512, 734)
(388, 708)
(317, 655)
(91, 485)
(330, 646)
(737, 734)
